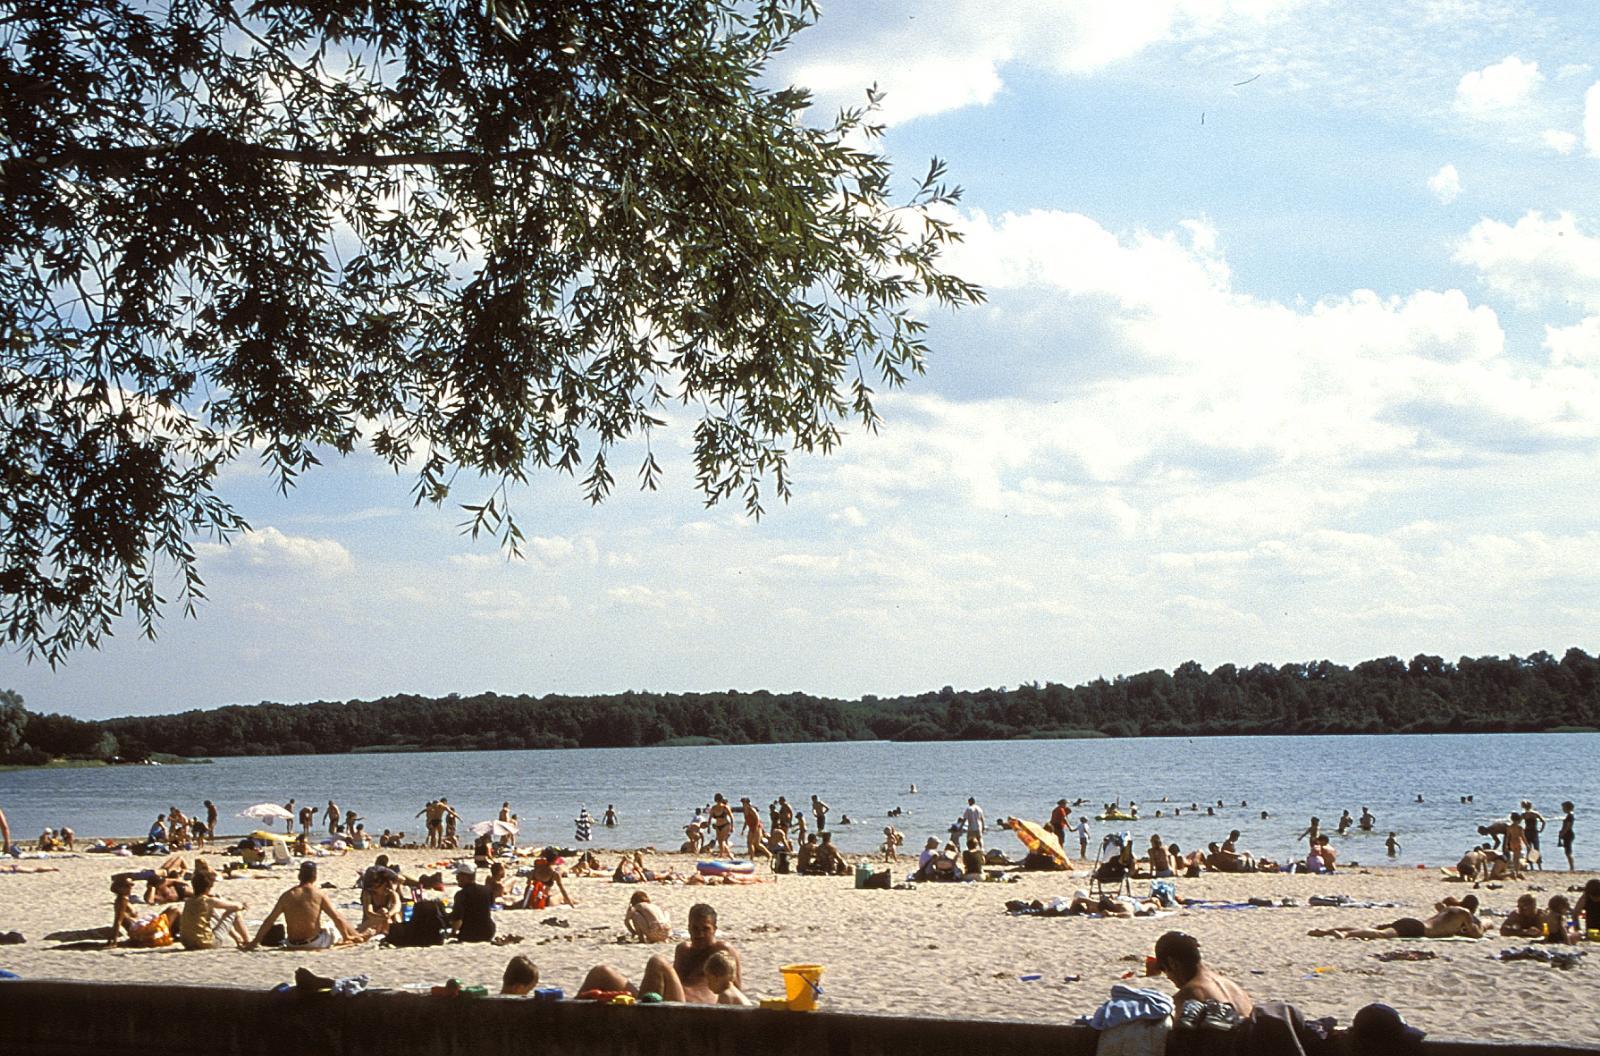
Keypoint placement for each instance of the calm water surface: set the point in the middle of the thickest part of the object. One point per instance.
(655, 790)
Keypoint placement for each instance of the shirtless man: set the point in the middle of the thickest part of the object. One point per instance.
(1447, 920)
(755, 833)
(684, 978)
(211, 821)
(1524, 922)
(722, 820)
(434, 812)
(819, 810)
(333, 816)
(1496, 830)
(785, 815)
(308, 818)
(1532, 825)
(302, 908)
(1178, 957)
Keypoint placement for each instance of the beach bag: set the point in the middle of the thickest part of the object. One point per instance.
(537, 897)
(780, 862)
(156, 933)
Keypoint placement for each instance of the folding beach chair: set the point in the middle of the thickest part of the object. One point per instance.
(1110, 869)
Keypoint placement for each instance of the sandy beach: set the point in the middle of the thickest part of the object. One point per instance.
(937, 950)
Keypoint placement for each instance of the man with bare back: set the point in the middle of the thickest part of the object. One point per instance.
(302, 908)
(1178, 957)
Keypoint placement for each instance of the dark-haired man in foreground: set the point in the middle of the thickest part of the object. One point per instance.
(1178, 957)
(302, 908)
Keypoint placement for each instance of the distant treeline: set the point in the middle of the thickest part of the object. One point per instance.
(1426, 695)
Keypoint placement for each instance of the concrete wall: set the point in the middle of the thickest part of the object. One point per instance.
(83, 1019)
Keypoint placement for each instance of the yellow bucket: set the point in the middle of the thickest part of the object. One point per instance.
(803, 985)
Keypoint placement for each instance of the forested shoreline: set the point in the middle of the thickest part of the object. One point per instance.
(1388, 695)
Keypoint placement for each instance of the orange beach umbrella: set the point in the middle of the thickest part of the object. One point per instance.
(1039, 840)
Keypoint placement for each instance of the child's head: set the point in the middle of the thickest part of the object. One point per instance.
(1591, 890)
(522, 975)
(638, 897)
(719, 971)
(1560, 907)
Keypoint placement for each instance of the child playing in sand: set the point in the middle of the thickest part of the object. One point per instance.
(719, 980)
(647, 921)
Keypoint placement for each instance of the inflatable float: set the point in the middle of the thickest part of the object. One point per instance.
(725, 867)
(1116, 817)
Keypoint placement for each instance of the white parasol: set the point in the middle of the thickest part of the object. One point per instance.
(495, 828)
(266, 812)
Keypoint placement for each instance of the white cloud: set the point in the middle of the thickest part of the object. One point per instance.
(1574, 346)
(1591, 119)
(268, 549)
(1506, 85)
(933, 59)
(1235, 409)
(1445, 184)
(1559, 141)
(1538, 260)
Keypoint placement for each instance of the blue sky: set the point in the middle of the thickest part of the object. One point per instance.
(1302, 367)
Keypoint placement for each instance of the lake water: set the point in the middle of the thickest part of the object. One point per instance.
(656, 790)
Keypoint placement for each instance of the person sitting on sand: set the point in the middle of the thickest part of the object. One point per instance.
(547, 871)
(302, 908)
(930, 851)
(972, 859)
(1178, 958)
(1524, 922)
(1587, 909)
(1329, 855)
(204, 915)
(806, 855)
(681, 979)
(153, 929)
(826, 859)
(470, 916)
(520, 978)
(1448, 921)
(645, 920)
(1557, 923)
(380, 903)
(719, 971)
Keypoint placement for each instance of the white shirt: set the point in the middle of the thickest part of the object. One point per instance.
(973, 816)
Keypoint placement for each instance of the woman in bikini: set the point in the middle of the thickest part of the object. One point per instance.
(154, 929)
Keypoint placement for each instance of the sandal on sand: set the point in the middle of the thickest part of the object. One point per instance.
(1219, 1015)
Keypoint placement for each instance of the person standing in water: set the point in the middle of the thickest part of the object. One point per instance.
(610, 821)
(1564, 837)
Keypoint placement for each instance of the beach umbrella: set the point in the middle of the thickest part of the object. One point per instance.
(1039, 840)
(496, 828)
(267, 812)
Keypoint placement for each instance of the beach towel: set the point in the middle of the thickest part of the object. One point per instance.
(1129, 1004)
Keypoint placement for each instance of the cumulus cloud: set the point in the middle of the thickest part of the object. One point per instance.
(1215, 397)
(1504, 86)
(270, 550)
(1539, 260)
(1445, 184)
(1574, 346)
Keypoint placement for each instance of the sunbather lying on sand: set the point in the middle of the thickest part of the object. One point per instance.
(1448, 921)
